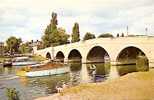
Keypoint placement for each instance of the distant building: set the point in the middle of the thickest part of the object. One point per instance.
(1, 48)
(37, 44)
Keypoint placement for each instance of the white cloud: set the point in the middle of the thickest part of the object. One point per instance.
(28, 18)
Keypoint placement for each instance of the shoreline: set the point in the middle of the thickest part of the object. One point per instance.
(132, 86)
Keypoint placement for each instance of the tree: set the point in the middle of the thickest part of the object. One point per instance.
(122, 35)
(88, 36)
(50, 31)
(75, 33)
(6, 49)
(12, 94)
(54, 36)
(13, 44)
(63, 36)
(25, 48)
(106, 35)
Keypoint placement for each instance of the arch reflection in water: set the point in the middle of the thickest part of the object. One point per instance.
(102, 71)
(82, 73)
(75, 73)
(85, 77)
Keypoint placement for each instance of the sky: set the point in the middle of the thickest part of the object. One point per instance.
(27, 19)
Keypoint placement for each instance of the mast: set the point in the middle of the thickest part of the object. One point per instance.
(146, 31)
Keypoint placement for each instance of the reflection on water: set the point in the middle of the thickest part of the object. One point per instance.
(122, 70)
(6, 70)
(85, 77)
(113, 73)
(31, 88)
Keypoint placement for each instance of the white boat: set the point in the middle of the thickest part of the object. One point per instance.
(22, 61)
(54, 71)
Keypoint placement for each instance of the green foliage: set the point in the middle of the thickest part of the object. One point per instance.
(24, 48)
(12, 94)
(106, 35)
(62, 36)
(6, 49)
(3, 58)
(13, 44)
(142, 63)
(75, 33)
(54, 36)
(88, 36)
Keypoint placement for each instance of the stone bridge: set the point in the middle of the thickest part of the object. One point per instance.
(117, 50)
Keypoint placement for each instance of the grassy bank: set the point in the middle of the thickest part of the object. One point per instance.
(38, 58)
(2, 58)
(34, 57)
(133, 86)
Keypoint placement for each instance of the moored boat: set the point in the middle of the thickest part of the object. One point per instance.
(53, 71)
(7, 63)
(44, 70)
(22, 61)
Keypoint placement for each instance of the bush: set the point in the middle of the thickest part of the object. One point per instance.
(12, 94)
(106, 35)
(88, 36)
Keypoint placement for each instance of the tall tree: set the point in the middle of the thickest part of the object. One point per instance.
(88, 36)
(25, 48)
(50, 31)
(75, 33)
(13, 44)
(53, 35)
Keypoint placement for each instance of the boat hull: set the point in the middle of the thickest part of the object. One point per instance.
(7, 64)
(48, 72)
(23, 63)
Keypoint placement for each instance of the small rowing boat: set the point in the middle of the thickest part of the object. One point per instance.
(44, 70)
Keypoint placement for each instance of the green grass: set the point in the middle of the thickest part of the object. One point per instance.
(2, 58)
(133, 86)
(38, 58)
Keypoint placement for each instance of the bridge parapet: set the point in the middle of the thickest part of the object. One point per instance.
(113, 46)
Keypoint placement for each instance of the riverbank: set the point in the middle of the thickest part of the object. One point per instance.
(2, 58)
(38, 58)
(133, 86)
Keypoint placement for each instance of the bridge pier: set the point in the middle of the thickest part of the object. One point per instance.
(84, 60)
(151, 63)
(65, 60)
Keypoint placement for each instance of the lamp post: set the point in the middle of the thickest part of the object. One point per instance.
(127, 30)
(146, 31)
(52, 52)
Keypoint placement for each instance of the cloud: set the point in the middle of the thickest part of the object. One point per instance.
(28, 19)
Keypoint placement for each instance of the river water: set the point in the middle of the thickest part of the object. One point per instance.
(30, 88)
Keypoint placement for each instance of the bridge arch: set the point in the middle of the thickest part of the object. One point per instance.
(133, 55)
(97, 54)
(74, 56)
(60, 56)
(130, 52)
(48, 55)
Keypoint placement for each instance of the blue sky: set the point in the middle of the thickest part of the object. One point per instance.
(28, 19)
